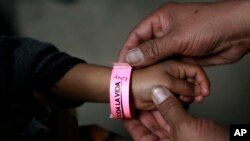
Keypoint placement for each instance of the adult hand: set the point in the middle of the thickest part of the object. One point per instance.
(178, 125)
(148, 126)
(209, 33)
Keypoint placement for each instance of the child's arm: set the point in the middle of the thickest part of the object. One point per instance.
(91, 82)
(85, 82)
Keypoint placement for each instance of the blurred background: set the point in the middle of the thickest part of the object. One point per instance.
(95, 31)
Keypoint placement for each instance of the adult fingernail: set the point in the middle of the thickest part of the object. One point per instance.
(160, 94)
(134, 56)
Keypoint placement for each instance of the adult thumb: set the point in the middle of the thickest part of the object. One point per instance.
(150, 52)
(169, 106)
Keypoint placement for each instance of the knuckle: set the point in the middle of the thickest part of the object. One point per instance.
(171, 106)
(152, 50)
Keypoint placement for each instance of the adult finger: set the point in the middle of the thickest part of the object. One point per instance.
(152, 51)
(138, 131)
(170, 107)
(143, 32)
(155, 123)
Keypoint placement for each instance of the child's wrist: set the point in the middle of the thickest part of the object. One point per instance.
(120, 90)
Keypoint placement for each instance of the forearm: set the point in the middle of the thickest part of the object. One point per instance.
(85, 82)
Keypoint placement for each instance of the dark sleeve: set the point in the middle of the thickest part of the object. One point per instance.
(36, 65)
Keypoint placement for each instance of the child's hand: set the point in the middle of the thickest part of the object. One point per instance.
(187, 80)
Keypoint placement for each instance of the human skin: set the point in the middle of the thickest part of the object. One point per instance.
(171, 122)
(202, 33)
(90, 83)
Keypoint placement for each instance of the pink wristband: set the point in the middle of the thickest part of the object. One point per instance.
(119, 90)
